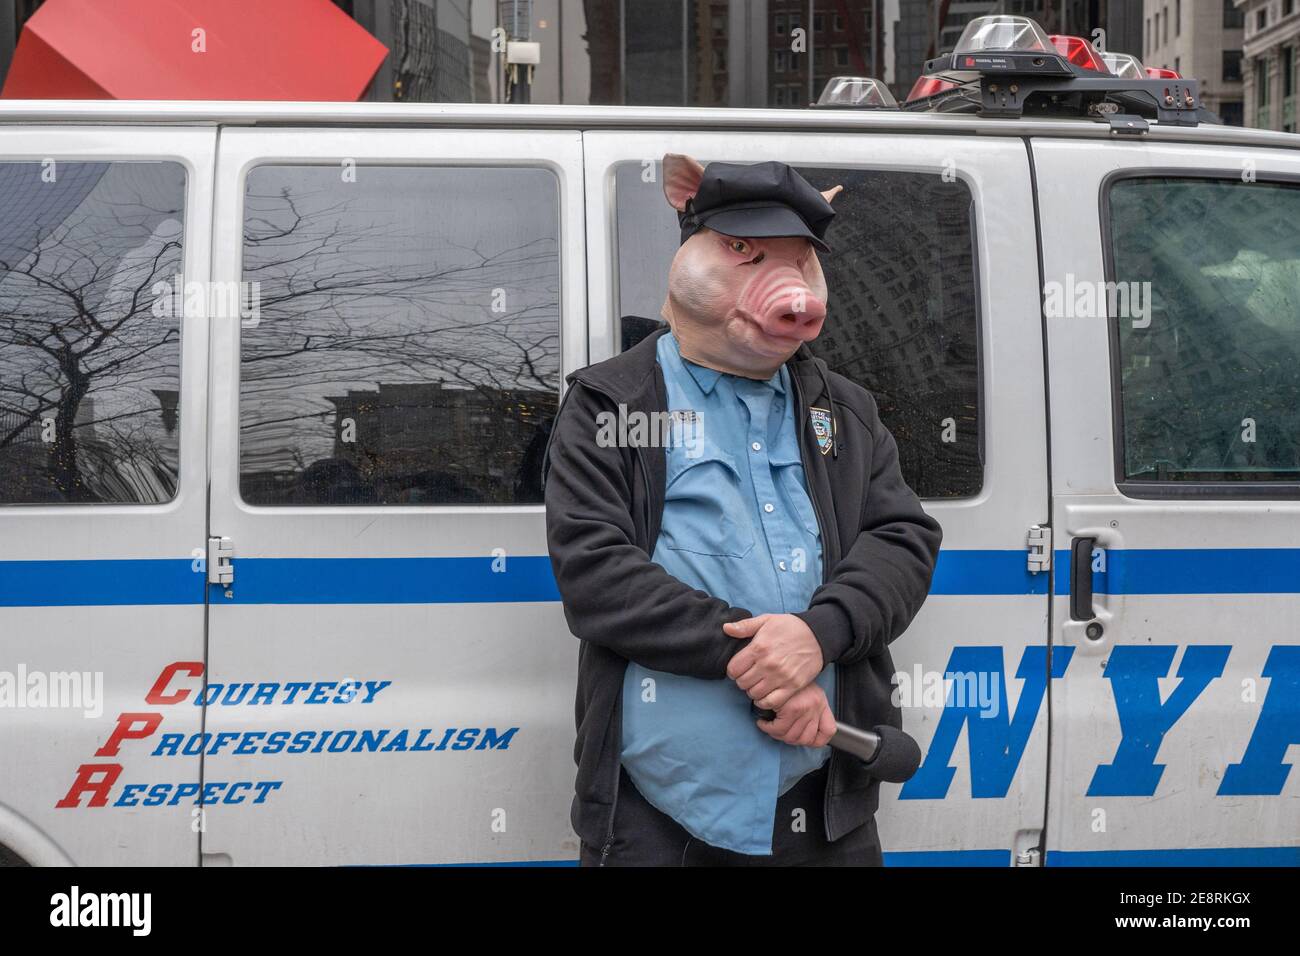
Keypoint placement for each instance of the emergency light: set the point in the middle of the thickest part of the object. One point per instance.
(1125, 66)
(1009, 66)
(1002, 44)
(856, 92)
(1079, 52)
(929, 86)
(1002, 33)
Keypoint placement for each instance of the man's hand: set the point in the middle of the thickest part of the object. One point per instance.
(804, 721)
(782, 658)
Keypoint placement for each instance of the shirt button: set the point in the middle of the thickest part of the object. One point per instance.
(768, 508)
(756, 446)
(781, 565)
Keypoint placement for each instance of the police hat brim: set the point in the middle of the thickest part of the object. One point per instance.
(768, 221)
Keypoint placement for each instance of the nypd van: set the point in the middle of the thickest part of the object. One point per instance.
(276, 380)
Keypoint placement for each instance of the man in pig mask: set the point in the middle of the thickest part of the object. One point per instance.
(729, 531)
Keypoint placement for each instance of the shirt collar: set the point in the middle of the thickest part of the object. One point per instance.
(707, 378)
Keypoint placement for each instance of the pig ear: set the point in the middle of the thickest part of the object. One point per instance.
(831, 193)
(682, 177)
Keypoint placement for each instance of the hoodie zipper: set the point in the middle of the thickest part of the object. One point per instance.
(821, 527)
(618, 730)
(618, 762)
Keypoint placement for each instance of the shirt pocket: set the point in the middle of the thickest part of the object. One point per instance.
(706, 507)
(789, 472)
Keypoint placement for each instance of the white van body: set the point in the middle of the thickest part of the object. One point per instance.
(427, 639)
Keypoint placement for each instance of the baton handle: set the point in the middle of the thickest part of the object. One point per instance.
(863, 744)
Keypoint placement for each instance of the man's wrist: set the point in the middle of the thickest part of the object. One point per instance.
(830, 628)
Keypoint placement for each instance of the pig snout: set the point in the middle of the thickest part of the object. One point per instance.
(782, 304)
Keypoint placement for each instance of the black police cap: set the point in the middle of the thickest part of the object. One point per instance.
(759, 200)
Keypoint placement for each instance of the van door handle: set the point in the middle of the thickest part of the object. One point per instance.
(1081, 579)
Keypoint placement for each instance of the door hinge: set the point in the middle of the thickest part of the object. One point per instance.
(221, 569)
(1029, 857)
(1039, 542)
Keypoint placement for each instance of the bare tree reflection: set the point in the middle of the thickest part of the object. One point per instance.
(397, 357)
(84, 361)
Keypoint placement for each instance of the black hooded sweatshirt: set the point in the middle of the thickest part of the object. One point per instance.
(603, 509)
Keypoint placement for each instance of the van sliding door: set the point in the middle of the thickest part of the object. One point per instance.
(390, 677)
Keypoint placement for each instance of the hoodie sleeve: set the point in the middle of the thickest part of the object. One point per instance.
(884, 576)
(613, 594)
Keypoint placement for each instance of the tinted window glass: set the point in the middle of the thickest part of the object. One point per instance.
(405, 348)
(902, 316)
(89, 331)
(1209, 378)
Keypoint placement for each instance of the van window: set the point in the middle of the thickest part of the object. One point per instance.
(1209, 374)
(405, 347)
(90, 256)
(902, 319)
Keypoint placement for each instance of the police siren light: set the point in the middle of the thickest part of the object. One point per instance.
(1125, 65)
(856, 92)
(1008, 66)
(929, 86)
(1002, 44)
(1002, 33)
(1079, 52)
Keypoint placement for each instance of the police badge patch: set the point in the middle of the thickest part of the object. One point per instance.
(821, 423)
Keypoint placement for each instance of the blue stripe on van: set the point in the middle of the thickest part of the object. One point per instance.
(97, 583)
(947, 857)
(391, 581)
(463, 580)
(985, 572)
(1216, 856)
(1211, 856)
(1191, 571)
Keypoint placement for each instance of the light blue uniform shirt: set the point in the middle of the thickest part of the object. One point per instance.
(738, 524)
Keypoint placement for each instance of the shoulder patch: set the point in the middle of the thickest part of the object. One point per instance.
(821, 424)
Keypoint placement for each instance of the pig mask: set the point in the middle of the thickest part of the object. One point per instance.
(741, 305)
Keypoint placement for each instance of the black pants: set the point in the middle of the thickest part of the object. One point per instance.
(644, 836)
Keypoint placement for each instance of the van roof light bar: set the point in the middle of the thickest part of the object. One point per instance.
(1008, 67)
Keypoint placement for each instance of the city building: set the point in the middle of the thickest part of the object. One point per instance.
(1268, 67)
(1119, 21)
(1201, 40)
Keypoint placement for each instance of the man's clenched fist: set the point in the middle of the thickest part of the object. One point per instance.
(804, 721)
(782, 658)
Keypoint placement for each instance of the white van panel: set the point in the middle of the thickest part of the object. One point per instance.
(1169, 730)
(452, 605)
(111, 592)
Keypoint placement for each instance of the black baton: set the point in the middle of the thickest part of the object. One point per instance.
(889, 753)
